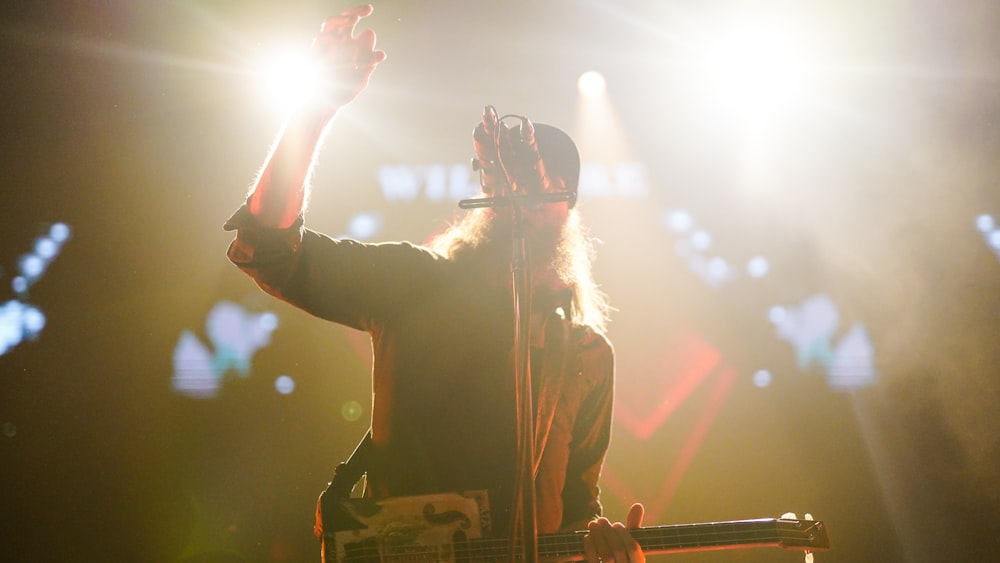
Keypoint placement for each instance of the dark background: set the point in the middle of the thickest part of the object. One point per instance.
(136, 124)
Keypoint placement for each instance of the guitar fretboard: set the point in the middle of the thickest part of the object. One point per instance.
(806, 535)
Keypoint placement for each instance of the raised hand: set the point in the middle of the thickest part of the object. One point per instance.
(348, 59)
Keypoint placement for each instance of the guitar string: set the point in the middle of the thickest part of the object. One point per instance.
(664, 537)
(553, 546)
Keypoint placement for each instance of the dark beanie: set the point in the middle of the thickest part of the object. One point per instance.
(558, 152)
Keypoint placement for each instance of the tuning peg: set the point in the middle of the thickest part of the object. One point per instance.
(807, 516)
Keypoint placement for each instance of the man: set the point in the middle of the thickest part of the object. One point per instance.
(440, 319)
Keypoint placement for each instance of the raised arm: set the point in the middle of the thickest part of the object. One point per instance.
(348, 61)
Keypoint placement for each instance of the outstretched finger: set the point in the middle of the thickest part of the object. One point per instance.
(344, 23)
(635, 515)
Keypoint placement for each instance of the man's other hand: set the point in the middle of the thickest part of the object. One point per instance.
(608, 542)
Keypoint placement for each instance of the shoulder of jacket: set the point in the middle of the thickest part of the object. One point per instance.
(587, 337)
(592, 343)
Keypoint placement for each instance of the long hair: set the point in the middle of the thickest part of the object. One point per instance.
(572, 263)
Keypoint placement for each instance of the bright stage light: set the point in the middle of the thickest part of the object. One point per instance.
(591, 84)
(701, 240)
(284, 384)
(679, 221)
(762, 378)
(758, 267)
(364, 226)
(755, 68)
(289, 77)
(985, 223)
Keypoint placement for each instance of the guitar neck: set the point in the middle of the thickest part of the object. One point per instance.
(803, 535)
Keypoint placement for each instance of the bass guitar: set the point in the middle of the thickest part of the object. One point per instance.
(453, 528)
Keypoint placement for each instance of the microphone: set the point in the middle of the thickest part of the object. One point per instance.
(510, 164)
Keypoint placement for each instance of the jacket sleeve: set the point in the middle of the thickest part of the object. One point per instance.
(341, 280)
(591, 433)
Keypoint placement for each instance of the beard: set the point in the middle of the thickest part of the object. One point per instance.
(483, 239)
(544, 243)
(561, 257)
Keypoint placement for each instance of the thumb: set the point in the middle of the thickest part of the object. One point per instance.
(635, 514)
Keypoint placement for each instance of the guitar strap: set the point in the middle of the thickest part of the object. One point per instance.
(347, 474)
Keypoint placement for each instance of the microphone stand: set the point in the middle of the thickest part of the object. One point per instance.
(523, 521)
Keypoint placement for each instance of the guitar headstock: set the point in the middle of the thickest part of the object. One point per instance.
(807, 532)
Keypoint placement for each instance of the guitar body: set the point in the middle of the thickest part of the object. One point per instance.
(455, 528)
(418, 528)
